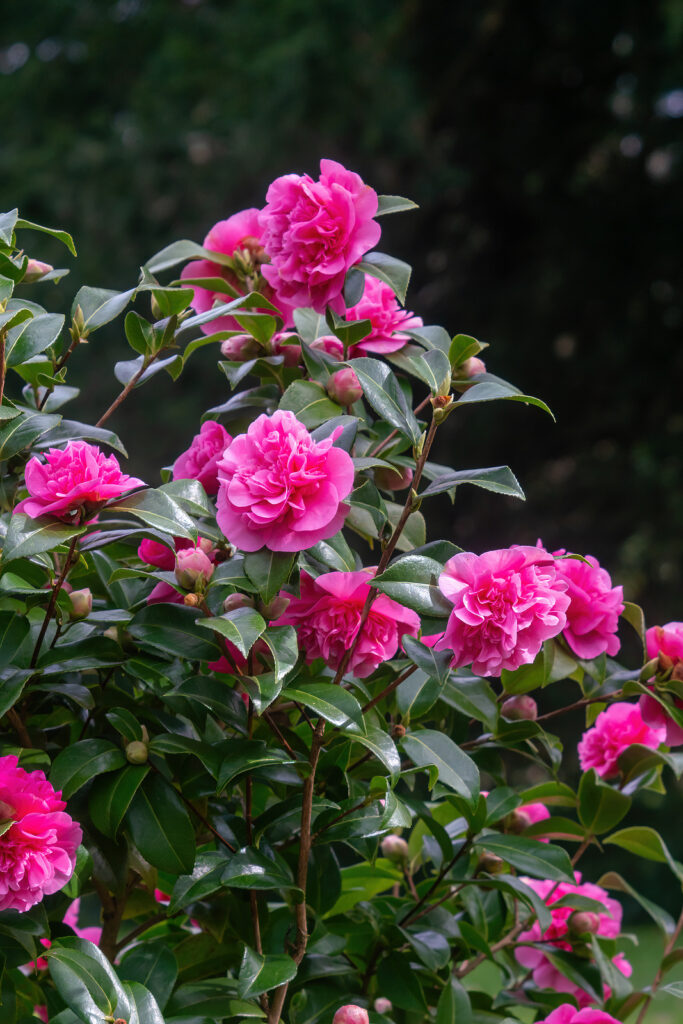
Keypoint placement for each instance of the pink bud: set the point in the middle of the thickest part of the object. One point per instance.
(383, 1005)
(583, 922)
(520, 708)
(351, 1014)
(234, 601)
(343, 386)
(395, 849)
(393, 479)
(241, 347)
(193, 569)
(471, 367)
(330, 345)
(206, 545)
(286, 343)
(35, 269)
(81, 603)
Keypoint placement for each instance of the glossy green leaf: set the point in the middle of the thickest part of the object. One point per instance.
(13, 631)
(153, 966)
(454, 1005)
(62, 236)
(381, 745)
(111, 797)
(431, 367)
(455, 768)
(663, 920)
(499, 479)
(158, 510)
(413, 581)
(263, 973)
(433, 663)
(144, 1008)
(32, 337)
(489, 391)
(248, 756)
(647, 843)
(86, 981)
(601, 807)
(269, 571)
(540, 860)
(310, 402)
(23, 430)
(82, 761)
(250, 869)
(100, 305)
(383, 392)
(172, 629)
(161, 828)
(394, 204)
(400, 983)
(332, 703)
(242, 627)
(392, 271)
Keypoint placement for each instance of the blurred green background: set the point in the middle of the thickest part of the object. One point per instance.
(543, 144)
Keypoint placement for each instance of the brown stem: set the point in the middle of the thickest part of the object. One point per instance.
(112, 915)
(658, 976)
(584, 702)
(392, 435)
(127, 390)
(435, 885)
(198, 814)
(389, 689)
(3, 369)
(141, 928)
(274, 727)
(411, 884)
(19, 727)
(53, 600)
(340, 817)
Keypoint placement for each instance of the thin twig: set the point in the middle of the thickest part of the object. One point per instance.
(53, 600)
(389, 689)
(19, 727)
(127, 390)
(584, 702)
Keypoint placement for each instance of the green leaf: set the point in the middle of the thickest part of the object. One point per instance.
(393, 272)
(634, 615)
(455, 769)
(260, 974)
(310, 402)
(62, 236)
(600, 806)
(171, 628)
(204, 880)
(23, 430)
(415, 529)
(490, 391)
(413, 582)
(11, 690)
(100, 305)
(71, 430)
(454, 1005)
(32, 338)
(111, 797)
(461, 348)
(393, 204)
(250, 869)
(179, 252)
(500, 479)
(85, 980)
(540, 860)
(360, 882)
(140, 333)
(159, 511)
(334, 553)
(399, 983)
(7, 224)
(242, 627)
(433, 663)
(383, 392)
(269, 571)
(160, 827)
(432, 367)
(144, 1008)
(330, 702)
(283, 646)
(382, 746)
(13, 631)
(416, 695)
(663, 920)
(248, 756)
(152, 965)
(82, 761)
(645, 842)
(190, 495)
(368, 499)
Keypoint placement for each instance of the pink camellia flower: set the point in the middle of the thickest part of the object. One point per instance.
(279, 488)
(240, 237)
(38, 851)
(665, 643)
(380, 306)
(327, 618)
(506, 604)
(73, 482)
(313, 231)
(351, 1014)
(200, 461)
(544, 974)
(594, 607)
(615, 729)
(193, 568)
(568, 1014)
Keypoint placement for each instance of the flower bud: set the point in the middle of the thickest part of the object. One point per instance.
(343, 386)
(470, 368)
(240, 347)
(520, 708)
(393, 479)
(395, 849)
(330, 345)
(286, 344)
(192, 600)
(35, 269)
(206, 545)
(398, 731)
(492, 864)
(81, 603)
(137, 752)
(351, 1014)
(517, 821)
(584, 922)
(275, 608)
(193, 569)
(383, 1005)
(235, 601)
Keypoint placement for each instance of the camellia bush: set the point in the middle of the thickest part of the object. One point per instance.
(268, 749)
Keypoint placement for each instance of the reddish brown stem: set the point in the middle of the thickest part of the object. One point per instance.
(53, 600)
(127, 390)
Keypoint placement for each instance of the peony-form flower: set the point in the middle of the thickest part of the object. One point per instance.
(665, 643)
(200, 461)
(327, 619)
(506, 604)
(380, 306)
(38, 850)
(280, 489)
(72, 482)
(239, 237)
(313, 231)
(544, 974)
(594, 607)
(568, 1014)
(615, 729)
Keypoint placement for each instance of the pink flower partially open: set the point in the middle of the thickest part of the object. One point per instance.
(594, 607)
(313, 231)
(200, 461)
(568, 1014)
(666, 643)
(161, 557)
(615, 729)
(279, 488)
(544, 974)
(327, 619)
(75, 481)
(380, 306)
(38, 851)
(239, 236)
(506, 604)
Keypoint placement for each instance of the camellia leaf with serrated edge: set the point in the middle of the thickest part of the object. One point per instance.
(413, 582)
(242, 627)
(263, 973)
(540, 860)
(383, 392)
(499, 479)
(161, 828)
(427, 748)
(490, 391)
(82, 761)
(394, 272)
(309, 402)
(330, 702)
(269, 571)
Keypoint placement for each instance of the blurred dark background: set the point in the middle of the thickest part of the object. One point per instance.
(543, 145)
